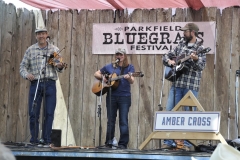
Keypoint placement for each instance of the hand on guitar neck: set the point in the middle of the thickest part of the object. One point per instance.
(194, 56)
(171, 62)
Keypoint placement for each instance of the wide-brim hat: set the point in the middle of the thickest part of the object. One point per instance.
(41, 29)
(190, 26)
(120, 50)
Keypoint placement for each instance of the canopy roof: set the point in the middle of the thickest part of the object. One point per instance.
(133, 4)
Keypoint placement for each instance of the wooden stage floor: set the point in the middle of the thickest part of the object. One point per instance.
(39, 153)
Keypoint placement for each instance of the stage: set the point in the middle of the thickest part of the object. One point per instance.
(40, 153)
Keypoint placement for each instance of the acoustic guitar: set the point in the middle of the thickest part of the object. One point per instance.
(113, 82)
(180, 66)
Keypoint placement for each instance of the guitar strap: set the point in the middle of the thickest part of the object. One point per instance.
(122, 70)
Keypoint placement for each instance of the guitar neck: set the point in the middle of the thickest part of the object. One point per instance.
(135, 74)
(187, 57)
(184, 59)
(117, 78)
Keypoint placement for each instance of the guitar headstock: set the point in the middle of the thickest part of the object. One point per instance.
(136, 74)
(206, 50)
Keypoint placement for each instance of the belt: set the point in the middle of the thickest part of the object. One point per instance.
(42, 80)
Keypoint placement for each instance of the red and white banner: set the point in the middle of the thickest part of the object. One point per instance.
(146, 38)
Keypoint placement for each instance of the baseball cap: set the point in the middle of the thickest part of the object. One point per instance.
(190, 26)
(41, 29)
(120, 50)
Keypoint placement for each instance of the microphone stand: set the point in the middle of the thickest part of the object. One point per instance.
(44, 102)
(236, 100)
(109, 143)
(174, 87)
(174, 77)
(174, 84)
(34, 101)
(160, 101)
(100, 112)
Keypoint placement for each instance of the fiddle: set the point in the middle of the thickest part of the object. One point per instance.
(55, 58)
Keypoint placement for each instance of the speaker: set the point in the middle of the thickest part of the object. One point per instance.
(56, 137)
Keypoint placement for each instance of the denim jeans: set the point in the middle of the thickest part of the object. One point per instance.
(180, 93)
(34, 109)
(121, 103)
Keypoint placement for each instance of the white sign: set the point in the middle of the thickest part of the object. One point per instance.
(187, 121)
(146, 38)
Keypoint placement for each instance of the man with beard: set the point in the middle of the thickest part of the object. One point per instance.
(189, 79)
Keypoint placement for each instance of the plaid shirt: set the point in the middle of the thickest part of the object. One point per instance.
(33, 62)
(190, 79)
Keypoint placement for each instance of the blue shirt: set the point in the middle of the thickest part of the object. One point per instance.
(124, 88)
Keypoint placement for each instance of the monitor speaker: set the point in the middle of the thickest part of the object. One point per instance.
(56, 137)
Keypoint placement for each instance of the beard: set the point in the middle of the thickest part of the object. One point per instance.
(188, 38)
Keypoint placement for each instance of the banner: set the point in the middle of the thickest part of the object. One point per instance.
(146, 38)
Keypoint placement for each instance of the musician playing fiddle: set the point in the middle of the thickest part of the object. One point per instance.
(190, 78)
(120, 98)
(35, 68)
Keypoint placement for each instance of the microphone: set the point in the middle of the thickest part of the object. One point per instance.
(117, 60)
(48, 38)
(182, 39)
